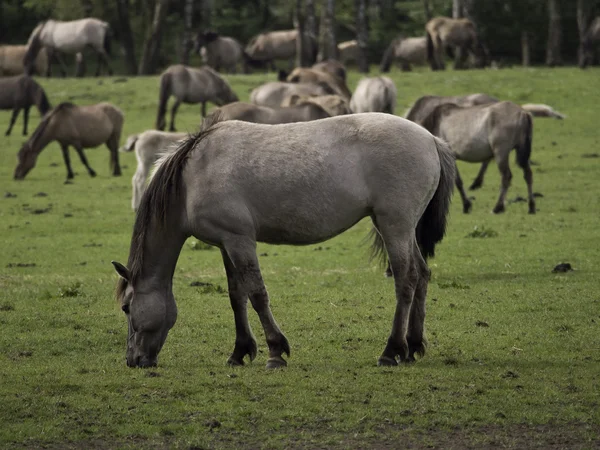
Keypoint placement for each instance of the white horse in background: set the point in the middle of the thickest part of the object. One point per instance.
(149, 146)
(70, 37)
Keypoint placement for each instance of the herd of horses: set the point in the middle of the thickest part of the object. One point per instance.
(301, 162)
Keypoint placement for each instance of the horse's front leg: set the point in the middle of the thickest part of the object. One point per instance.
(173, 112)
(245, 343)
(61, 63)
(113, 147)
(66, 157)
(478, 181)
(242, 252)
(13, 119)
(84, 160)
(203, 111)
(25, 119)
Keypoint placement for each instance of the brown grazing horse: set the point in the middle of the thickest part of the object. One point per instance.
(22, 92)
(247, 112)
(307, 75)
(77, 126)
(191, 85)
(444, 33)
(333, 67)
(274, 93)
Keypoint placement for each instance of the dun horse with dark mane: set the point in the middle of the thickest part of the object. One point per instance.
(236, 183)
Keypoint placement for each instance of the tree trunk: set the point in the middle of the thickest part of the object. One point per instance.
(299, 25)
(457, 9)
(525, 53)
(553, 57)
(327, 42)
(126, 36)
(362, 35)
(152, 44)
(87, 8)
(583, 20)
(427, 10)
(205, 13)
(188, 37)
(311, 20)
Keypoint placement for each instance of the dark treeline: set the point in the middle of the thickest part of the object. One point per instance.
(154, 33)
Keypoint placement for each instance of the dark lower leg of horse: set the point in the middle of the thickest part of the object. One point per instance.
(203, 111)
(460, 61)
(405, 280)
(104, 57)
(113, 147)
(66, 157)
(84, 160)
(245, 343)
(528, 175)
(463, 195)
(99, 64)
(13, 119)
(415, 337)
(405, 66)
(478, 181)
(242, 252)
(25, 120)
(506, 177)
(173, 112)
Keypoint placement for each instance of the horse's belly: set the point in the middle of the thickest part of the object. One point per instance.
(475, 151)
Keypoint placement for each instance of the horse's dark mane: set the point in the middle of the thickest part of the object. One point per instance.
(45, 121)
(412, 112)
(163, 188)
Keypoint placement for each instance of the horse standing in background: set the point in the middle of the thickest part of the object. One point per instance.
(275, 92)
(70, 38)
(444, 33)
(22, 92)
(220, 52)
(11, 61)
(191, 85)
(591, 38)
(276, 45)
(332, 67)
(377, 94)
(406, 51)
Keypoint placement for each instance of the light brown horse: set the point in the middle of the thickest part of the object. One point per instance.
(332, 67)
(275, 92)
(307, 75)
(348, 52)
(77, 126)
(11, 61)
(247, 112)
(277, 45)
(590, 40)
(484, 132)
(333, 104)
(220, 52)
(191, 85)
(406, 51)
(22, 92)
(445, 33)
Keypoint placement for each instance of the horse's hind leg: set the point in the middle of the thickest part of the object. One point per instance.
(463, 195)
(529, 180)
(242, 252)
(245, 343)
(400, 252)
(66, 157)
(13, 119)
(25, 119)
(506, 177)
(478, 181)
(173, 112)
(113, 147)
(84, 160)
(415, 338)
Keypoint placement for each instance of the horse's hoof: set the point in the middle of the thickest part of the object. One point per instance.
(386, 361)
(92, 173)
(232, 362)
(498, 209)
(532, 210)
(68, 181)
(467, 208)
(276, 363)
(474, 186)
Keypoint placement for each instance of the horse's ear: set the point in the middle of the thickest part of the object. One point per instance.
(122, 270)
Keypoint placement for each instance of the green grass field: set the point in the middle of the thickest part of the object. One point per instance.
(514, 354)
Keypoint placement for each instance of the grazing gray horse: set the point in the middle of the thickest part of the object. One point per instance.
(70, 37)
(220, 51)
(275, 92)
(308, 75)
(590, 40)
(236, 183)
(191, 85)
(406, 51)
(332, 67)
(148, 146)
(484, 132)
(248, 112)
(77, 126)
(377, 94)
(333, 104)
(22, 92)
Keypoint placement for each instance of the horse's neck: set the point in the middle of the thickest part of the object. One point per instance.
(41, 140)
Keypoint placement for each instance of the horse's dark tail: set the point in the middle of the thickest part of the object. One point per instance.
(432, 225)
(107, 39)
(524, 148)
(430, 50)
(388, 56)
(163, 98)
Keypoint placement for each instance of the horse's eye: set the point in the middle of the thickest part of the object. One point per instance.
(125, 308)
